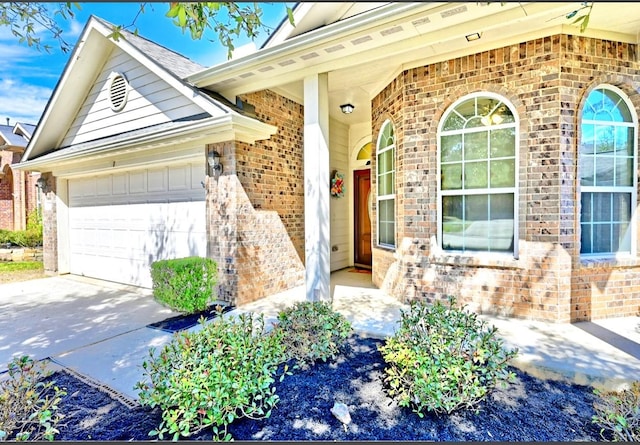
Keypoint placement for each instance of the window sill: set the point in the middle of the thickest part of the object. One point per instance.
(390, 249)
(494, 260)
(609, 261)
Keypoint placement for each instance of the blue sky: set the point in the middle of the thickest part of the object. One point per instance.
(28, 77)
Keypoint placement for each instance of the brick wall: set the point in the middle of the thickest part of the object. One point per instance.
(256, 207)
(546, 81)
(17, 193)
(6, 191)
(50, 225)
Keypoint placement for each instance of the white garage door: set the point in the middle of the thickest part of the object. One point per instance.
(120, 223)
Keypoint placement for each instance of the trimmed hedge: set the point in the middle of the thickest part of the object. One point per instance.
(184, 284)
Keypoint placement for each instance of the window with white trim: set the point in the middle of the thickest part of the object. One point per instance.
(478, 165)
(386, 196)
(607, 173)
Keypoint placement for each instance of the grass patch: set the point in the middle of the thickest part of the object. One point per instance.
(16, 266)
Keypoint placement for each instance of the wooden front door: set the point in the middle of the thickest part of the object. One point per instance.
(362, 189)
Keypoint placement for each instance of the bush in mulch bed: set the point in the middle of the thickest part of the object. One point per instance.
(529, 409)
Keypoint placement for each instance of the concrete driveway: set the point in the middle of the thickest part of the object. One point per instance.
(53, 316)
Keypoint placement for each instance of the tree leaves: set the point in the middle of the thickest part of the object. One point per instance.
(228, 20)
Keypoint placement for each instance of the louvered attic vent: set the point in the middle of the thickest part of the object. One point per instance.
(118, 91)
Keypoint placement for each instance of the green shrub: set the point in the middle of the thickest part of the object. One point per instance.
(312, 331)
(28, 405)
(210, 377)
(618, 413)
(26, 238)
(5, 237)
(184, 284)
(443, 358)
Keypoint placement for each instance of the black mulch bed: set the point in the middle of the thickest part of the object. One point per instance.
(186, 321)
(528, 410)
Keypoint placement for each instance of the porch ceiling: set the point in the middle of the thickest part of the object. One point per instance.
(363, 53)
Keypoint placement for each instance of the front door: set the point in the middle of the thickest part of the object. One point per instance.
(362, 190)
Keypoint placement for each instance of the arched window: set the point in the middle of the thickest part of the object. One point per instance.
(386, 196)
(607, 172)
(478, 167)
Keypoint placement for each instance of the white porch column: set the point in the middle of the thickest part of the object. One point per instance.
(316, 188)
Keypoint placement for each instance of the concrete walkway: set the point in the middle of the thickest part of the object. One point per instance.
(97, 330)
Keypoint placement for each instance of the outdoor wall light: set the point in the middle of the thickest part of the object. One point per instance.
(473, 36)
(213, 159)
(347, 108)
(41, 183)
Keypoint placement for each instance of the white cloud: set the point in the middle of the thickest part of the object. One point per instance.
(22, 102)
(75, 28)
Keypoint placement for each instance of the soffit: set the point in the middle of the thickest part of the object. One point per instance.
(363, 53)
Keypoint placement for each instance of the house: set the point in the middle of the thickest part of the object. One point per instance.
(18, 193)
(489, 151)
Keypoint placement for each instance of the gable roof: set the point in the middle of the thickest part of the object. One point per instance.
(171, 61)
(15, 137)
(91, 51)
(8, 137)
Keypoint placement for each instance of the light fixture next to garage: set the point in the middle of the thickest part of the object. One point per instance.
(213, 159)
(347, 108)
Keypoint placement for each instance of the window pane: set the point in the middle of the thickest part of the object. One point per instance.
(452, 222)
(475, 146)
(453, 122)
(587, 139)
(501, 206)
(585, 204)
(604, 141)
(385, 186)
(475, 175)
(601, 210)
(624, 141)
(619, 110)
(451, 148)
(587, 165)
(624, 171)
(476, 234)
(602, 238)
(621, 207)
(387, 138)
(503, 143)
(476, 207)
(386, 218)
(452, 177)
(604, 170)
(501, 223)
(585, 239)
(503, 173)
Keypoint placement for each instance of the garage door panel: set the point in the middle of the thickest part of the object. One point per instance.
(117, 235)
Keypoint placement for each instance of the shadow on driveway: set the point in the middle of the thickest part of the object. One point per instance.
(50, 316)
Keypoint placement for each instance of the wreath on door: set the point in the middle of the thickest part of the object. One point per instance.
(337, 185)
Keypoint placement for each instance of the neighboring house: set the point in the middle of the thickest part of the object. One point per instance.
(18, 193)
(490, 153)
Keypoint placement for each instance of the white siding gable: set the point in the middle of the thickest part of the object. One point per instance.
(151, 101)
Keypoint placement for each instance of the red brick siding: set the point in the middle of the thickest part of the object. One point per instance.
(546, 80)
(50, 225)
(256, 208)
(6, 192)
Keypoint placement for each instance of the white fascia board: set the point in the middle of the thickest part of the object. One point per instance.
(285, 29)
(232, 68)
(51, 119)
(218, 129)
